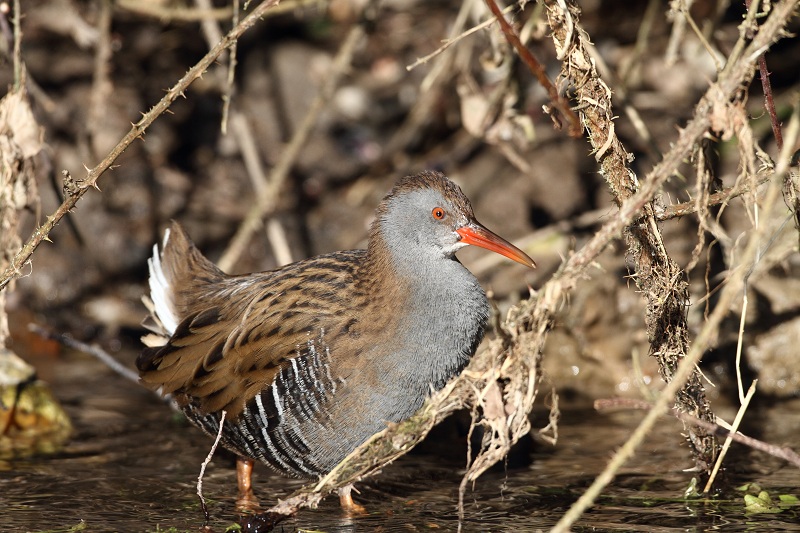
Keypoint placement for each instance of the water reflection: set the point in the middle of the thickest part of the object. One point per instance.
(132, 466)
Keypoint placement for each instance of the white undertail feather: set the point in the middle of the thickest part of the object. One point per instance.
(160, 291)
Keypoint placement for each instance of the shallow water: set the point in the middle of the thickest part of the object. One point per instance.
(131, 465)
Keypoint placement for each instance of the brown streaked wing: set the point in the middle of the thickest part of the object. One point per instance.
(241, 331)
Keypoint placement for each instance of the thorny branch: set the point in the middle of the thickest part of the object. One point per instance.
(137, 130)
(718, 198)
(514, 356)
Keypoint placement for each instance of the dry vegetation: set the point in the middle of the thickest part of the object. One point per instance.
(279, 141)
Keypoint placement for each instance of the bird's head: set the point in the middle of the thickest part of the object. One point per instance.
(428, 215)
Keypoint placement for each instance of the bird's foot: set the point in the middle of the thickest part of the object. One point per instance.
(350, 507)
(246, 502)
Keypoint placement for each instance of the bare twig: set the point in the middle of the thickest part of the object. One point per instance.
(791, 189)
(102, 87)
(184, 14)
(278, 241)
(13, 41)
(769, 101)
(745, 33)
(701, 200)
(267, 201)
(781, 452)
(684, 370)
(558, 102)
(619, 83)
(227, 95)
(136, 131)
(205, 463)
(166, 14)
(739, 342)
(734, 429)
(101, 355)
(702, 38)
(658, 277)
(720, 428)
(210, 27)
(93, 350)
(678, 29)
(447, 43)
(242, 134)
(213, 34)
(17, 46)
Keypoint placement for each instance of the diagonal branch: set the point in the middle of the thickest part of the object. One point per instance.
(76, 192)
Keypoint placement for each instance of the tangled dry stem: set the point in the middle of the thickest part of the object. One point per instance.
(660, 280)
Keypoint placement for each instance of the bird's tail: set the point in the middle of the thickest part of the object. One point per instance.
(176, 273)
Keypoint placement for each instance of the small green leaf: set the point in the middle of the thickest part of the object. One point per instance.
(691, 491)
(759, 504)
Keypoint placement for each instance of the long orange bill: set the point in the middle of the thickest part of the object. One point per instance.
(476, 235)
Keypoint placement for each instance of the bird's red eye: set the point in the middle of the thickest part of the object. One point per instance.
(438, 213)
